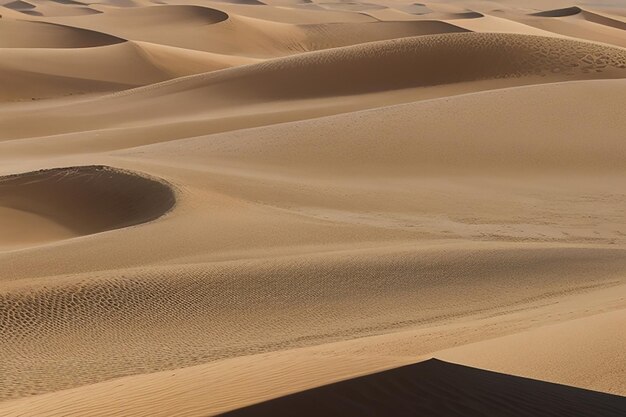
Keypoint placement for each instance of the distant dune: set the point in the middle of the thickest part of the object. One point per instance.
(24, 34)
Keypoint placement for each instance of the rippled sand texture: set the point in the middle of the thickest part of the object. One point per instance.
(208, 205)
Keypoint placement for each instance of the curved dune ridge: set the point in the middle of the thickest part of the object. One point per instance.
(604, 20)
(175, 25)
(318, 37)
(464, 15)
(425, 61)
(24, 34)
(585, 14)
(80, 201)
(411, 62)
(440, 389)
(19, 5)
(567, 11)
(249, 36)
(72, 71)
(353, 6)
(56, 8)
(166, 14)
(246, 2)
(70, 2)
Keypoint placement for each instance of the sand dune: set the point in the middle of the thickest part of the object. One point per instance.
(532, 354)
(568, 11)
(515, 59)
(79, 201)
(439, 388)
(248, 36)
(166, 15)
(586, 14)
(49, 8)
(91, 69)
(189, 309)
(510, 56)
(578, 23)
(604, 20)
(272, 207)
(25, 34)
(19, 5)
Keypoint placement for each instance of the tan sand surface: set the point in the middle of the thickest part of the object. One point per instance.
(205, 205)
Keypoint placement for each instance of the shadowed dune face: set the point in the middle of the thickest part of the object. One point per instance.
(173, 317)
(436, 388)
(353, 6)
(166, 14)
(568, 11)
(24, 34)
(247, 2)
(50, 8)
(19, 5)
(77, 201)
(416, 62)
(574, 12)
(433, 60)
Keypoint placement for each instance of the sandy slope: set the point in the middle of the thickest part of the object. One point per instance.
(209, 204)
(532, 354)
(257, 94)
(246, 380)
(438, 388)
(83, 200)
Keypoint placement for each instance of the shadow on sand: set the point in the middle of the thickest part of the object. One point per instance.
(435, 388)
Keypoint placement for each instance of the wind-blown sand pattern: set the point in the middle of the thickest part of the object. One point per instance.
(264, 207)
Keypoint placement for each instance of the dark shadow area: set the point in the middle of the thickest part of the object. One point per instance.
(88, 199)
(434, 388)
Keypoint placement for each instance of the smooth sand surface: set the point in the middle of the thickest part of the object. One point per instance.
(260, 206)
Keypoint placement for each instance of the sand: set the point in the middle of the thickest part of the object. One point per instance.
(263, 207)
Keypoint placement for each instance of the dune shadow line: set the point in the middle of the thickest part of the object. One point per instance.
(434, 388)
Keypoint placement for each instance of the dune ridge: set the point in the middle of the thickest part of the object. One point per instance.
(567, 11)
(86, 200)
(586, 14)
(522, 62)
(92, 70)
(510, 56)
(25, 34)
(439, 388)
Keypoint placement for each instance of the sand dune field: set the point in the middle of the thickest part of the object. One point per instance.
(307, 207)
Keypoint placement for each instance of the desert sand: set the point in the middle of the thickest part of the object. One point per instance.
(282, 207)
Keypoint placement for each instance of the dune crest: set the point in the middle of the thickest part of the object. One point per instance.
(25, 34)
(82, 200)
(438, 388)
(412, 62)
(568, 11)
